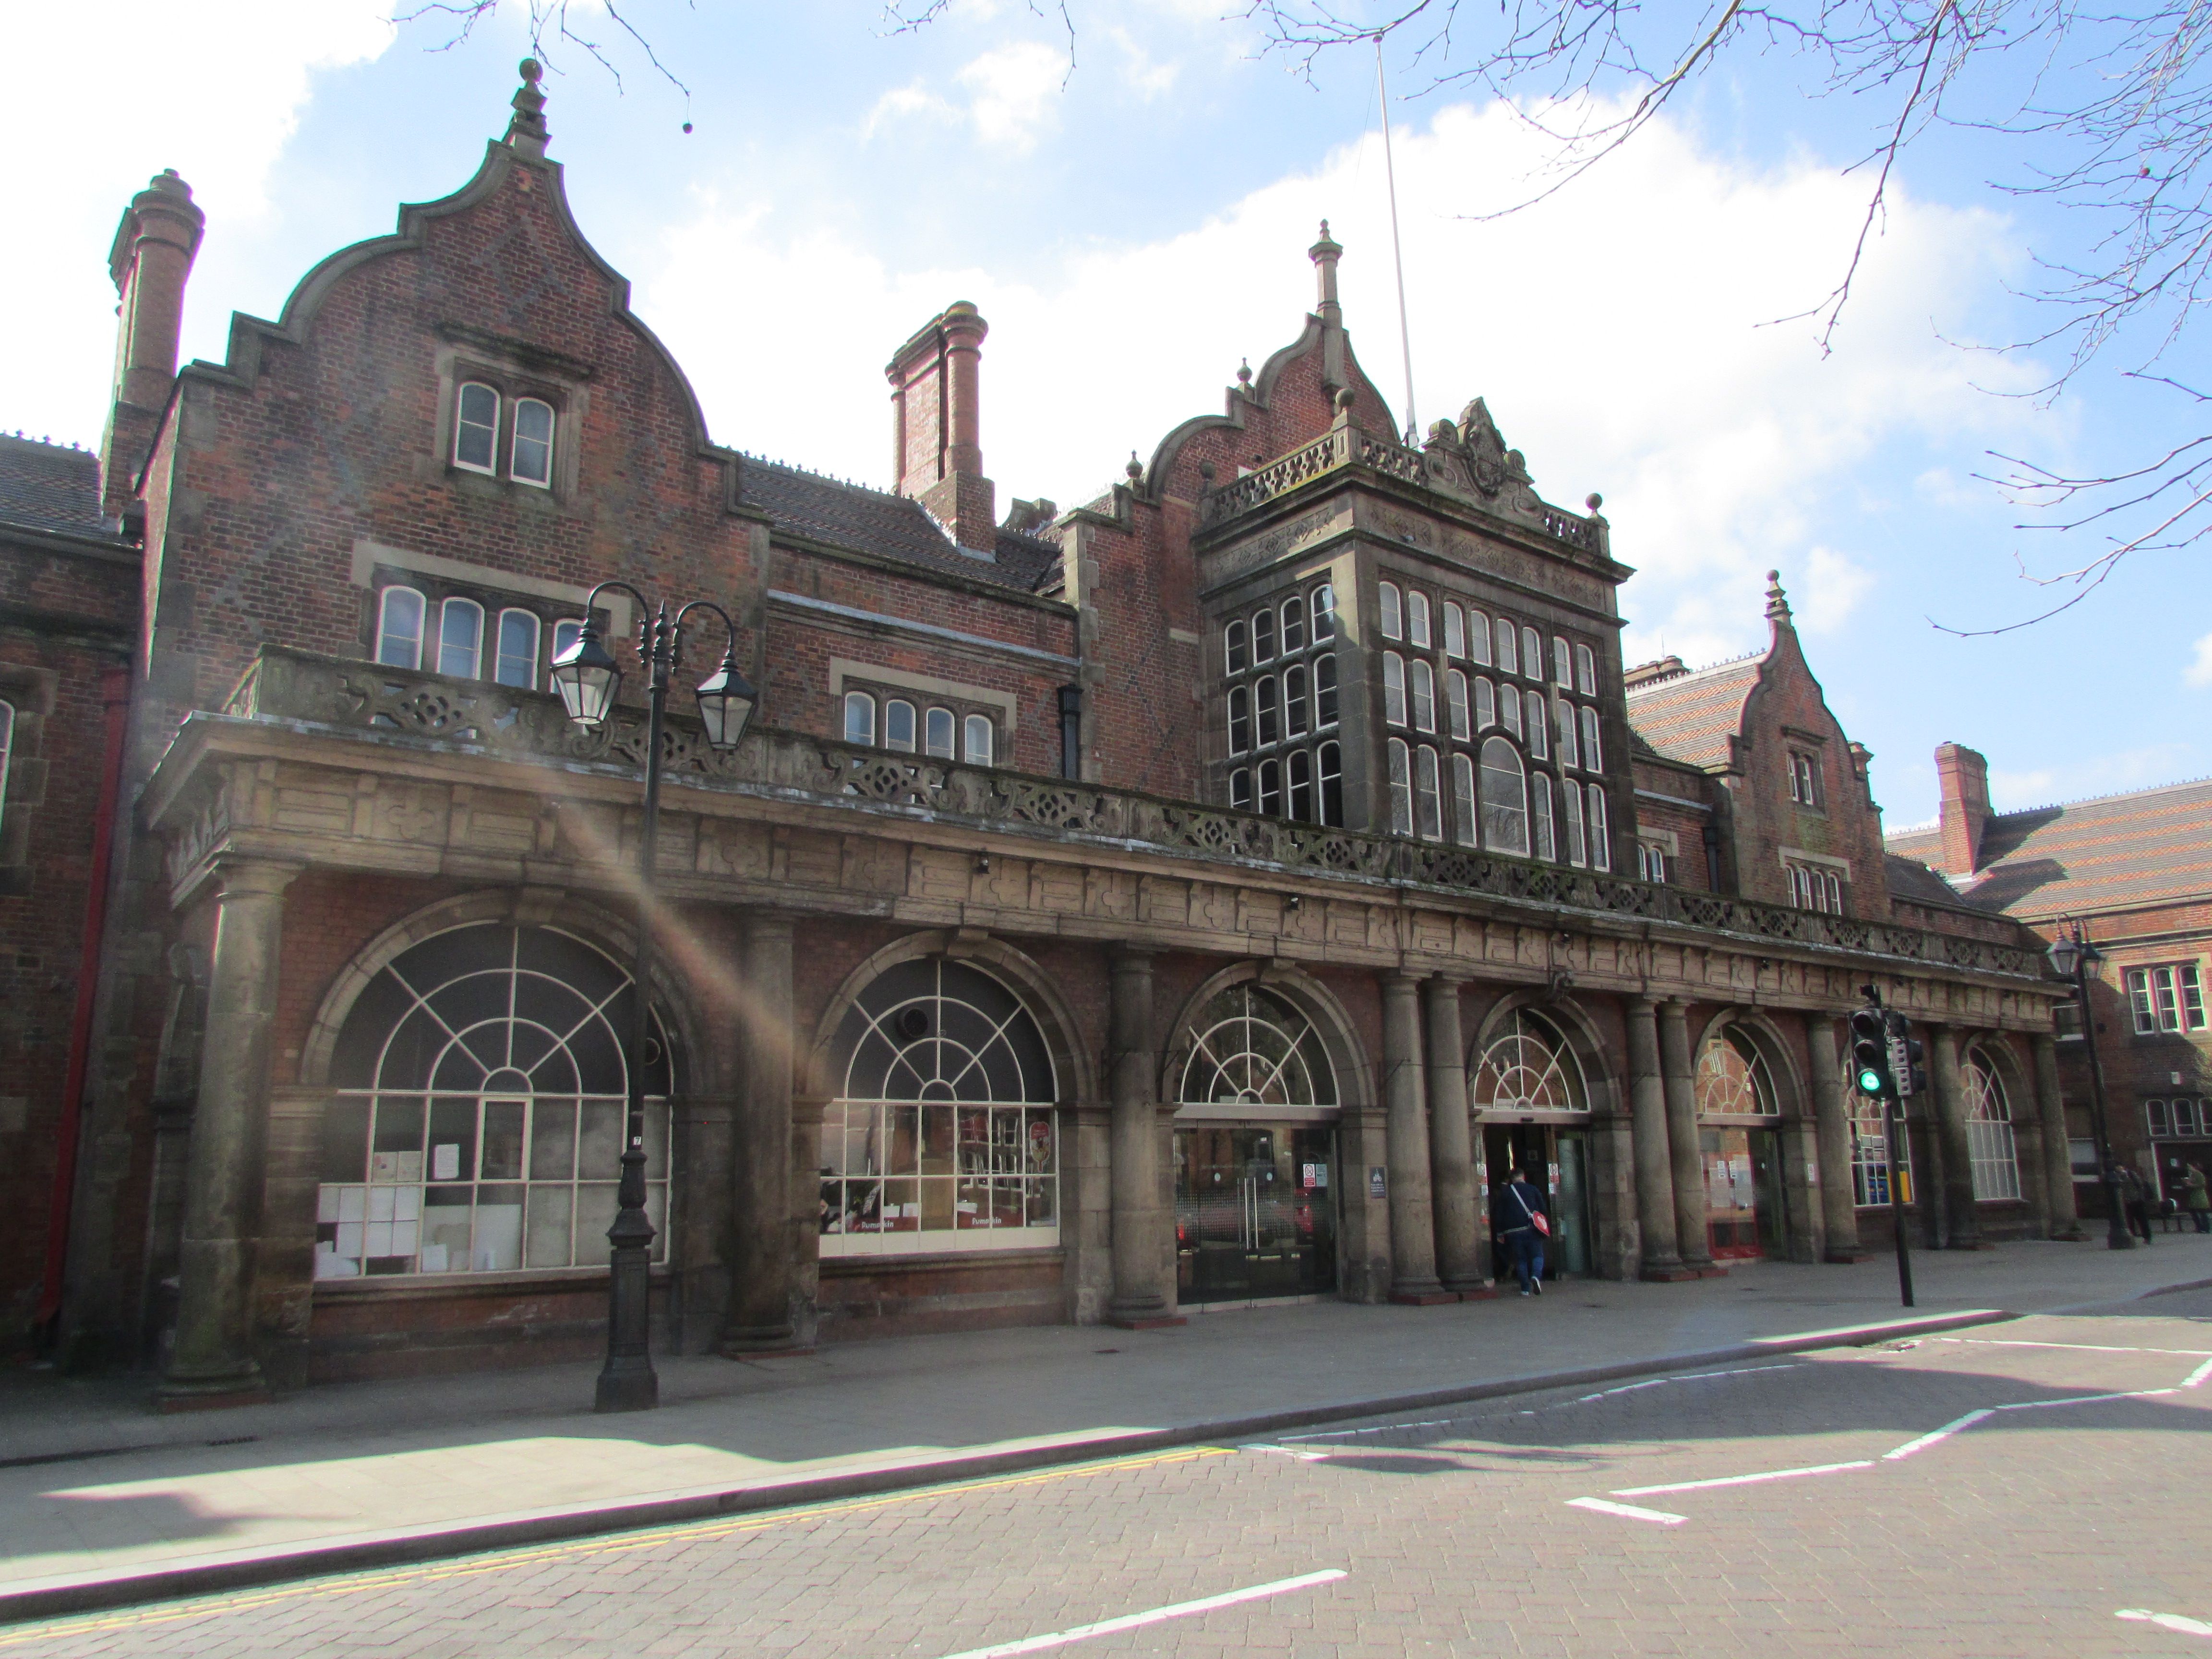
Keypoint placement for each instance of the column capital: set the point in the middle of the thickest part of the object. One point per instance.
(231, 876)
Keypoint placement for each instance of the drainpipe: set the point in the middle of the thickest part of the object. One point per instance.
(115, 695)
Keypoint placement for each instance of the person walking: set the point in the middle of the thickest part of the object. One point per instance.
(2196, 1198)
(2135, 1197)
(1519, 1221)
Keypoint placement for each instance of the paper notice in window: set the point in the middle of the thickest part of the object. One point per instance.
(446, 1162)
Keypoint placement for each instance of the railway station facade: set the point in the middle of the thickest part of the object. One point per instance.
(1202, 895)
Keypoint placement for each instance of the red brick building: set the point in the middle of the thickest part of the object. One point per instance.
(2133, 874)
(1199, 895)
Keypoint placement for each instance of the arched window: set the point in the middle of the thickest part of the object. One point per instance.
(1463, 801)
(1454, 630)
(1324, 614)
(1294, 624)
(937, 732)
(476, 1125)
(1263, 634)
(7, 749)
(1300, 768)
(1251, 1048)
(1240, 789)
(1269, 709)
(1424, 695)
(943, 1135)
(461, 638)
(1417, 617)
(1240, 719)
(1271, 788)
(399, 627)
(1732, 1079)
(1570, 750)
(1504, 798)
(899, 725)
(1401, 787)
(1538, 746)
(1571, 800)
(1428, 795)
(1393, 688)
(1592, 756)
(1531, 653)
(1456, 709)
(1528, 1067)
(1601, 832)
(1509, 660)
(475, 428)
(531, 462)
(1233, 649)
(1478, 636)
(1325, 691)
(1563, 673)
(518, 649)
(1586, 670)
(1539, 815)
(1295, 707)
(859, 717)
(1394, 625)
(1509, 705)
(1328, 762)
(981, 739)
(1989, 1130)
(1486, 704)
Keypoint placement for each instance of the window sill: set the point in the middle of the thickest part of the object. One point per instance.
(419, 1285)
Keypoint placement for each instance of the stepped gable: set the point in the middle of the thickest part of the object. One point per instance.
(891, 526)
(1691, 717)
(45, 486)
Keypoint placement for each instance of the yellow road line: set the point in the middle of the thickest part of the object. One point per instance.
(617, 1544)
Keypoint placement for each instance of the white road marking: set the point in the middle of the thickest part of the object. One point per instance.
(2079, 1347)
(1934, 1435)
(2172, 1621)
(2198, 1374)
(2083, 1399)
(1287, 1451)
(1661, 1517)
(1584, 1400)
(1059, 1639)
(1743, 1480)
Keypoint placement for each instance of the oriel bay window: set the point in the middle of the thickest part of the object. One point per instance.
(1279, 706)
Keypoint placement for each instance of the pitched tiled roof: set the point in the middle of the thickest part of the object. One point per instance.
(1691, 717)
(2089, 855)
(45, 487)
(1913, 881)
(892, 526)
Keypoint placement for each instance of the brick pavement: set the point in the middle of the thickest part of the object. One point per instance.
(893, 1400)
(2024, 1535)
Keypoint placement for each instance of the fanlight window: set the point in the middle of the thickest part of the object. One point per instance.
(1732, 1077)
(1989, 1131)
(1528, 1067)
(1250, 1048)
(943, 1136)
(477, 1123)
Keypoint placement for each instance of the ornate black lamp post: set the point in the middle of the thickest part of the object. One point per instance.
(587, 678)
(2073, 956)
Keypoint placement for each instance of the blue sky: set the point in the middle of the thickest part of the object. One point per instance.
(1132, 233)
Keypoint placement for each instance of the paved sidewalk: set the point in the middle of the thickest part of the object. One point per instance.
(124, 1504)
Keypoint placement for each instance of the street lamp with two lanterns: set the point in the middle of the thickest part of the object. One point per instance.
(2074, 955)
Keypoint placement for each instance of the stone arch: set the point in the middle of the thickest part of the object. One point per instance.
(518, 906)
(2018, 1082)
(1354, 1077)
(1792, 1098)
(1601, 1088)
(1074, 1074)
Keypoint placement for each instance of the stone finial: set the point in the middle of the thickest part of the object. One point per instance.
(1595, 502)
(1777, 605)
(1244, 373)
(1325, 253)
(1135, 469)
(526, 133)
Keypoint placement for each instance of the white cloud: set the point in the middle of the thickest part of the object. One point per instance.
(2199, 673)
(1611, 330)
(1012, 98)
(1143, 74)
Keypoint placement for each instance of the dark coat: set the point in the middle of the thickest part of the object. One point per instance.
(1506, 1215)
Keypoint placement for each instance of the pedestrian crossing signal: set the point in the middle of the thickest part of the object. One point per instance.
(1870, 1056)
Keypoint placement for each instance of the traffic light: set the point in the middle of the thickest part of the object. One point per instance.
(1870, 1054)
(1908, 1071)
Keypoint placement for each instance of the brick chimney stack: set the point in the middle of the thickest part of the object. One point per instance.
(151, 257)
(1963, 776)
(936, 423)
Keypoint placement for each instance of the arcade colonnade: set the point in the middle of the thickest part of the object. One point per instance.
(957, 1133)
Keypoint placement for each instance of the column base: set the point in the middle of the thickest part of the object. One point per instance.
(1414, 1296)
(1145, 1321)
(1467, 1286)
(1969, 1244)
(1705, 1269)
(1488, 1292)
(241, 1384)
(2069, 1236)
(1677, 1274)
(760, 1341)
(1845, 1258)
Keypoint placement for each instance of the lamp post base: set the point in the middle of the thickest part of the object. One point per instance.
(627, 1386)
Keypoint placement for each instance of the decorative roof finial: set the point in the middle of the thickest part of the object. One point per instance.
(1244, 373)
(526, 133)
(1135, 469)
(1325, 253)
(1778, 606)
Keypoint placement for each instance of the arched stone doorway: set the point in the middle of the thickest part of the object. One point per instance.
(1529, 1091)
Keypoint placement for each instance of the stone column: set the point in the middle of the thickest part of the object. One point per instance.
(1655, 1175)
(1951, 1130)
(213, 1361)
(1831, 1120)
(2065, 1221)
(1141, 1295)
(1451, 1154)
(1413, 1222)
(1676, 1071)
(760, 1316)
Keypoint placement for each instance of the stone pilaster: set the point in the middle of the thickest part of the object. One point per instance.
(2064, 1221)
(1944, 1072)
(1686, 1161)
(761, 1290)
(212, 1362)
(1413, 1220)
(1451, 1149)
(1140, 1293)
(1831, 1122)
(1654, 1176)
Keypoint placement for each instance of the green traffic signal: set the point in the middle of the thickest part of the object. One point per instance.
(1870, 1054)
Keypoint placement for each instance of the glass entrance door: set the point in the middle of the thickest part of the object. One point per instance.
(1743, 1192)
(1256, 1212)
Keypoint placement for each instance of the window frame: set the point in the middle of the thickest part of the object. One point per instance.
(1400, 762)
(911, 743)
(487, 468)
(968, 726)
(855, 701)
(1390, 603)
(2166, 998)
(384, 596)
(516, 440)
(500, 653)
(458, 605)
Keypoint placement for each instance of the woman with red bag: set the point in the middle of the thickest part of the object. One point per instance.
(1517, 1217)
